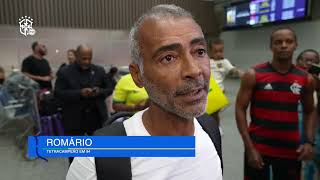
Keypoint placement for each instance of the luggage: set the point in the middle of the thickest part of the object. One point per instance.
(48, 104)
(51, 125)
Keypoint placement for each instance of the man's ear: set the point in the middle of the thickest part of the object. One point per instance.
(136, 74)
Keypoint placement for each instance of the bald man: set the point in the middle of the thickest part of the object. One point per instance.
(82, 88)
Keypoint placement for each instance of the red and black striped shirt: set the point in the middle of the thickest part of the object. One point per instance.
(274, 127)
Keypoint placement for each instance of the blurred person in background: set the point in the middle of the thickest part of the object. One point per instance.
(128, 96)
(305, 60)
(71, 56)
(82, 88)
(37, 67)
(2, 75)
(220, 68)
(111, 78)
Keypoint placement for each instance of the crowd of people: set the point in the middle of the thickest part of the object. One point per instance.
(167, 90)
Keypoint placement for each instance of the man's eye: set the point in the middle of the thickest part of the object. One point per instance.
(277, 42)
(201, 52)
(168, 59)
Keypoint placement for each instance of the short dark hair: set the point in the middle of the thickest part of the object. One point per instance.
(34, 45)
(113, 70)
(308, 50)
(216, 41)
(280, 29)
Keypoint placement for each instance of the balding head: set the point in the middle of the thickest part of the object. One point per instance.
(83, 47)
(84, 56)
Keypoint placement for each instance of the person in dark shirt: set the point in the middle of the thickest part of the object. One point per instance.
(111, 76)
(71, 56)
(307, 60)
(37, 67)
(82, 88)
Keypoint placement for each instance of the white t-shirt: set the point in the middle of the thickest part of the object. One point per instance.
(206, 164)
(220, 69)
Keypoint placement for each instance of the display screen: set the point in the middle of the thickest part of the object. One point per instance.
(258, 12)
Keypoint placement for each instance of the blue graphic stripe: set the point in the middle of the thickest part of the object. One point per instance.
(112, 146)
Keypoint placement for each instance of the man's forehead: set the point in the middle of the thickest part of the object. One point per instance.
(85, 49)
(310, 56)
(283, 33)
(309, 53)
(165, 30)
(217, 46)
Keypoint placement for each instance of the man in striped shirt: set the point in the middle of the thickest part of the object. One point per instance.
(274, 144)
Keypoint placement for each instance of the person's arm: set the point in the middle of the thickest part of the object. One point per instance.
(51, 76)
(235, 72)
(82, 168)
(63, 92)
(232, 70)
(38, 78)
(316, 82)
(305, 150)
(120, 97)
(242, 103)
(106, 89)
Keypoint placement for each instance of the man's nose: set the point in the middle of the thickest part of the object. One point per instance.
(191, 68)
(284, 44)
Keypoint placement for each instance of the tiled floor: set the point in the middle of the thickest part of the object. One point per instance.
(13, 167)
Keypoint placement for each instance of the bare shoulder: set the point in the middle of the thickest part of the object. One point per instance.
(310, 79)
(311, 83)
(249, 77)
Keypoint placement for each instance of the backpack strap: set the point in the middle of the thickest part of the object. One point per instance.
(211, 127)
(116, 167)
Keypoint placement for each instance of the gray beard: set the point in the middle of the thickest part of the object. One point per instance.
(155, 97)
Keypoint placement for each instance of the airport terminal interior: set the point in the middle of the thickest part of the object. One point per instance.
(70, 37)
